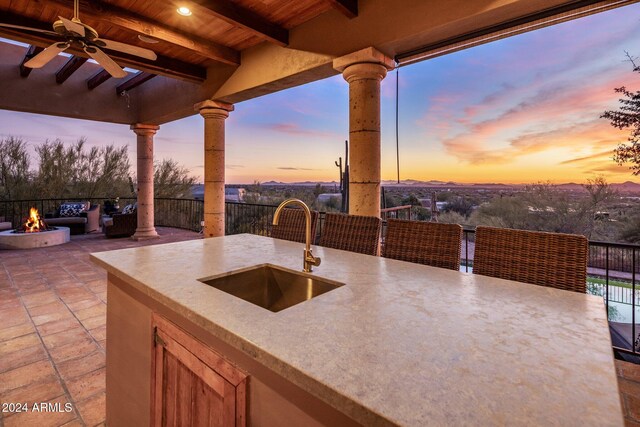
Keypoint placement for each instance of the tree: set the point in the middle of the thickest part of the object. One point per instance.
(391, 200)
(550, 209)
(444, 196)
(333, 204)
(545, 207)
(460, 204)
(15, 177)
(254, 193)
(411, 200)
(75, 171)
(420, 214)
(452, 217)
(627, 116)
(318, 190)
(256, 187)
(594, 209)
(600, 192)
(504, 212)
(630, 231)
(55, 169)
(172, 180)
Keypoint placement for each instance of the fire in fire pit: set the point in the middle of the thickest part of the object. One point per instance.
(34, 223)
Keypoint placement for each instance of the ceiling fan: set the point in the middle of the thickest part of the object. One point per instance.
(82, 36)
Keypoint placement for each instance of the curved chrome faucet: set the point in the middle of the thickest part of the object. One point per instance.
(309, 260)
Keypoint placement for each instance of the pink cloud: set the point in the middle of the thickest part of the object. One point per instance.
(554, 115)
(295, 129)
(611, 168)
(603, 154)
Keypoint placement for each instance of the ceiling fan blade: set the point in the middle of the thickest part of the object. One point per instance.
(126, 48)
(73, 27)
(105, 62)
(37, 30)
(46, 55)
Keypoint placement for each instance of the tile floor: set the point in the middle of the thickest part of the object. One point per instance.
(52, 334)
(629, 386)
(52, 330)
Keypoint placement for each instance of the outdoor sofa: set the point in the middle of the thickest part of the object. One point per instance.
(80, 217)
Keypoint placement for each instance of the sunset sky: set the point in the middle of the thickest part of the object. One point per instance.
(519, 110)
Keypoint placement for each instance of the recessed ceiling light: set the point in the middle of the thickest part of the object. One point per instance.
(184, 11)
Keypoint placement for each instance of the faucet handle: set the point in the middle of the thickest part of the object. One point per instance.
(310, 260)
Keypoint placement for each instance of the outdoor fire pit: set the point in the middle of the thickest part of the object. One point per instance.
(34, 234)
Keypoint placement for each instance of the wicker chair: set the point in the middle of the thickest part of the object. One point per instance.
(291, 226)
(353, 233)
(547, 259)
(422, 242)
(122, 225)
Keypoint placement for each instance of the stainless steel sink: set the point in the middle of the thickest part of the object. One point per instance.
(271, 287)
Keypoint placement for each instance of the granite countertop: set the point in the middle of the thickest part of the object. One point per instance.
(400, 343)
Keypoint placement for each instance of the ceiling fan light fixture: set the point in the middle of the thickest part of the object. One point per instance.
(184, 11)
(81, 35)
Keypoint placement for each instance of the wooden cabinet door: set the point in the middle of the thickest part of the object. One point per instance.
(192, 385)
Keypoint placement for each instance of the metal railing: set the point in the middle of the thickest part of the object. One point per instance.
(256, 219)
(397, 212)
(187, 214)
(612, 267)
(248, 218)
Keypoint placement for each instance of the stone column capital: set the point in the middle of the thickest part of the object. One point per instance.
(364, 71)
(213, 109)
(144, 129)
(369, 55)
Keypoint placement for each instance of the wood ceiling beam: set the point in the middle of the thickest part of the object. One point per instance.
(134, 82)
(163, 65)
(247, 19)
(69, 68)
(348, 8)
(31, 52)
(100, 11)
(97, 79)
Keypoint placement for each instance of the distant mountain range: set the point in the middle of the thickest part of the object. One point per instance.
(627, 186)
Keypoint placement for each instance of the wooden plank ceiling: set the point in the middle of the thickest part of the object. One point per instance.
(216, 31)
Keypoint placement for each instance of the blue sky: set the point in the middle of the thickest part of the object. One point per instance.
(522, 109)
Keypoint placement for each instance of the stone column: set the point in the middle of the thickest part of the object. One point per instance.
(146, 228)
(364, 70)
(214, 114)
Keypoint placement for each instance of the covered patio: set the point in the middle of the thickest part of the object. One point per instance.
(224, 53)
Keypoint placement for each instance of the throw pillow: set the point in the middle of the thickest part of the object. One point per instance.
(129, 209)
(70, 209)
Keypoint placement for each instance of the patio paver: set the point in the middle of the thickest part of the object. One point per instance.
(53, 329)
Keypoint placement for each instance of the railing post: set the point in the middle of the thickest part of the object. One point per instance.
(466, 251)
(633, 299)
(606, 263)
